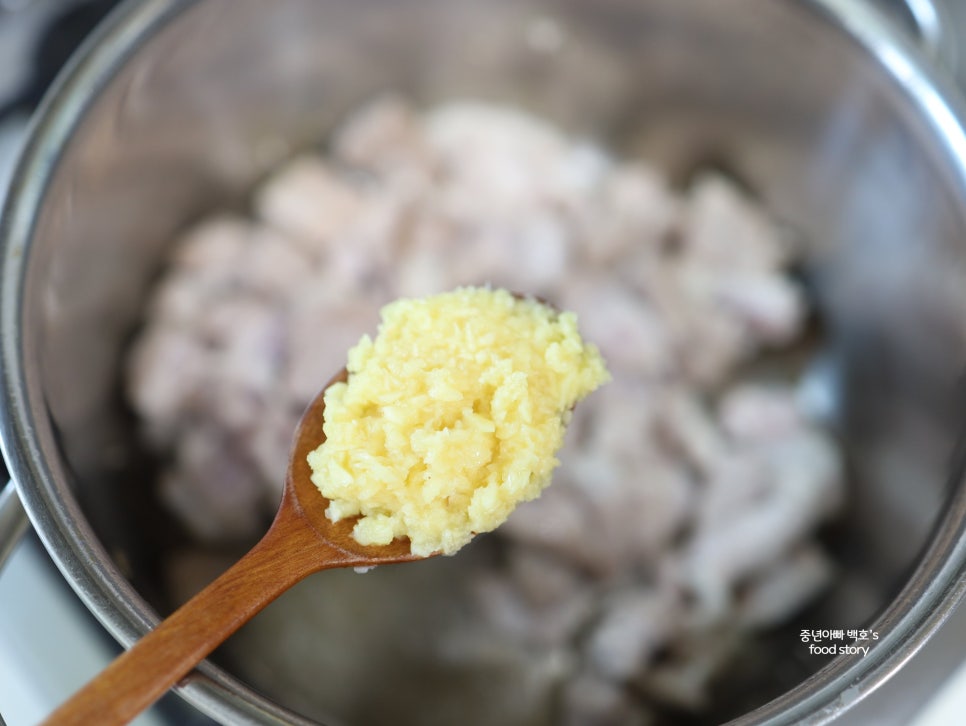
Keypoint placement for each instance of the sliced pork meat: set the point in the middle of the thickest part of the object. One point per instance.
(685, 511)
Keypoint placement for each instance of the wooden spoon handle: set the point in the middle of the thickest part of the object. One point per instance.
(137, 678)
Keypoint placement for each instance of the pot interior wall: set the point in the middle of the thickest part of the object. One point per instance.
(772, 93)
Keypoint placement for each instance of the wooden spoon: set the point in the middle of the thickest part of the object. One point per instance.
(300, 541)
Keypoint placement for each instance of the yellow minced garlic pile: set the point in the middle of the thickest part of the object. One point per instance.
(451, 417)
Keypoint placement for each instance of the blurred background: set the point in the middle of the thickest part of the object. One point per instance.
(50, 644)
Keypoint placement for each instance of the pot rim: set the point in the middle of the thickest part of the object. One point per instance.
(931, 594)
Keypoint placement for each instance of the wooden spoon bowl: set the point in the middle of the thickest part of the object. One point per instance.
(300, 541)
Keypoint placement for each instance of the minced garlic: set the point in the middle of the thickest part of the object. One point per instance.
(451, 417)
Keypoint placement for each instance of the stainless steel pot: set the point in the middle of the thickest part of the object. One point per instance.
(821, 107)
